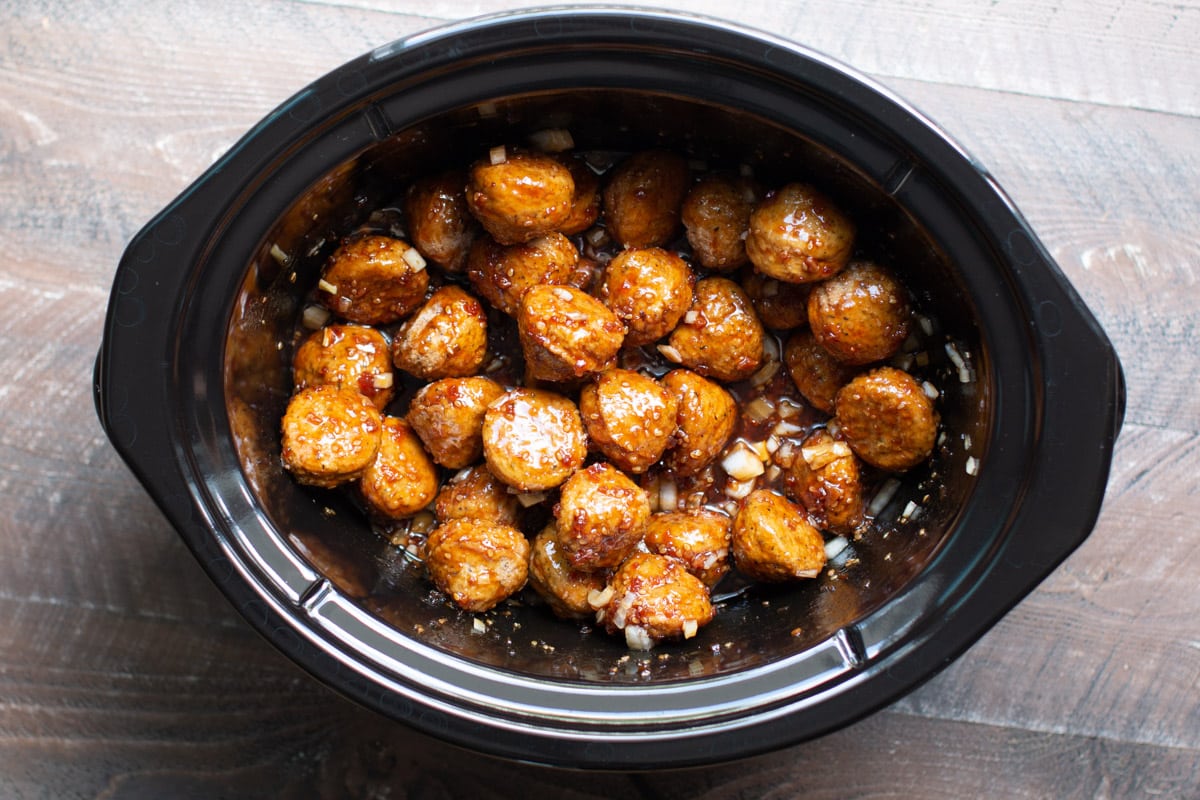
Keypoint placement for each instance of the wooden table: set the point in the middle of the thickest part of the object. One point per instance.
(124, 673)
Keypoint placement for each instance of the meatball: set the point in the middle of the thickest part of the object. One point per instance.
(629, 418)
(824, 478)
(479, 564)
(699, 538)
(347, 356)
(600, 517)
(716, 215)
(401, 479)
(798, 235)
(445, 338)
(564, 588)
(887, 419)
(773, 540)
(448, 416)
(566, 334)
(649, 289)
(720, 335)
(475, 493)
(521, 196)
(501, 274)
(861, 314)
(585, 204)
(652, 598)
(643, 197)
(439, 222)
(373, 280)
(705, 420)
(779, 305)
(330, 435)
(817, 374)
(533, 439)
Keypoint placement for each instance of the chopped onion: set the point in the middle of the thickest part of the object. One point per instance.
(972, 466)
(638, 638)
(759, 409)
(911, 510)
(382, 380)
(478, 625)
(552, 140)
(690, 626)
(498, 155)
(671, 353)
(315, 317)
(834, 547)
(527, 499)
(764, 374)
(930, 390)
(926, 324)
(414, 259)
(596, 236)
(742, 463)
(326, 286)
(280, 257)
(737, 490)
(960, 363)
(882, 497)
(786, 429)
(668, 495)
(421, 522)
(598, 598)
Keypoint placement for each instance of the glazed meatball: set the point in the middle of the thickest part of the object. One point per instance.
(600, 517)
(817, 374)
(649, 289)
(478, 564)
(699, 538)
(643, 197)
(887, 419)
(773, 540)
(347, 356)
(566, 334)
(861, 314)
(445, 338)
(533, 439)
(330, 435)
(439, 222)
(720, 336)
(629, 418)
(501, 274)
(564, 588)
(521, 196)
(448, 417)
(373, 280)
(705, 420)
(798, 235)
(716, 215)
(824, 478)
(475, 493)
(779, 305)
(401, 479)
(652, 598)
(585, 204)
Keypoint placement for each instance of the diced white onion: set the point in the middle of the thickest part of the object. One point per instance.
(527, 499)
(742, 463)
(671, 353)
(280, 257)
(737, 490)
(478, 625)
(638, 638)
(960, 363)
(972, 466)
(668, 496)
(315, 317)
(598, 598)
(414, 259)
(326, 286)
(690, 626)
(930, 390)
(883, 496)
(498, 155)
(759, 409)
(382, 381)
(552, 140)
(834, 547)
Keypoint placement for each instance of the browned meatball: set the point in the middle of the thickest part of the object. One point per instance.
(373, 280)
(817, 374)
(774, 541)
(564, 588)
(824, 478)
(798, 235)
(643, 197)
(629, 418)
(479, 564)
(887, 419)
(706, 418)
(861, 314)
(439, 222)
(699, 538)
(401, 479)
(600, 517)
(501, 274)
(652, 598)
(347, 356)
(779, 305)
(585, 205)
(330, 435)
(521, 196)
(475, 493)
(720, 335)
(716, 214)
(533, 439)
(649, 289)
(448, 416)
(566, 333)
(445, 338)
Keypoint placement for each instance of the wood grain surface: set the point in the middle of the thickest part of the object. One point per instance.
(125, 674)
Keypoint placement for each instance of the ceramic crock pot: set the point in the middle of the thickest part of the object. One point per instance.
(193, 374)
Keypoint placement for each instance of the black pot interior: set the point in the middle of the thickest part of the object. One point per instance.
(754, 626)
